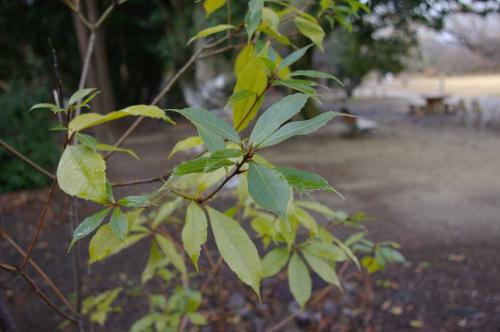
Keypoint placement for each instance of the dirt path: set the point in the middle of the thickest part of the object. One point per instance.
(428, 183)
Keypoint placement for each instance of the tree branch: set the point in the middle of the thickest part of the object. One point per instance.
(38, 270)
(41, 221)
(164, 91)
(28, 161)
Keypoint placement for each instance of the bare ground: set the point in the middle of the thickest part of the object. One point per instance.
(430, 184)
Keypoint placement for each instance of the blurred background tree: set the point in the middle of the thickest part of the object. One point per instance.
(153, 34)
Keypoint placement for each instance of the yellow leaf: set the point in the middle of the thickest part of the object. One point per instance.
(311, 30)
(251, 75)
(88, 120)
(185, 144)
(211, 6)
(210, 31)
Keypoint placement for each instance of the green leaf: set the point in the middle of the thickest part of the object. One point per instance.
(80, 94)
(236, 248)
(155, 261)
(325, 250)
(58, 127)
(105, 243)
(322, 268)
(119, 224)
(294, 57)
(165, 210)
(275, 116)
(311, 30)
(100, 306)
(89, 120)
(210, 31)
(305, 180)
(135, 201)
(208, 164)
(306, 220)
(194, 232)
(316, 74)
(212, 129)
(168, 248)
(253, 16)
(299, 128)
(251, 75)
(304, 87)
(270, 18)
(106, 147)
(299, 280)
(81, 173)
(197, 318)
(347, 251)
(317, 207)
(49, 106)
(185, 144)
(87, 141)
(88, 225)
(211, 6)
(268, 188)
(274, 261)
(239, 96)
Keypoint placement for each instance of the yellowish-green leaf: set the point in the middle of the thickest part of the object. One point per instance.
(306, 220)
(210, 31)
(89, 120)
(299, 280)
(274, 261)
(165, 210)
(211, 6)
(270, 18)
(251, 75)
(82, 172)
(194, 232)
(105, 243)
(237, 249)
(155, 261)
(322, 268)
(186, 144)
(168, 248)
(106, 147)
(311, 30)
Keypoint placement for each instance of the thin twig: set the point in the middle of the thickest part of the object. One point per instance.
(38, 291)
(161, 178)
(28, 161)
(38, 270)
(39, 225)
(213, 273)
(164, 91)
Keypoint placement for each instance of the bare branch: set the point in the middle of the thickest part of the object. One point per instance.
(28, 161)
(164, 91)
(41, 221)
(38, 270)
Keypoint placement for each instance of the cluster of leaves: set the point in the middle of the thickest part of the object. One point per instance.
(266, 195)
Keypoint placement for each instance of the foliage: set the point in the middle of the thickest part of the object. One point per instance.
(27, 132)
(266, 197)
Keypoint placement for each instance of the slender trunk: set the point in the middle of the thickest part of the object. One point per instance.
(101, 61)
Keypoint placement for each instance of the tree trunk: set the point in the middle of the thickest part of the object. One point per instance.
(101, 62)
(98, 76)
